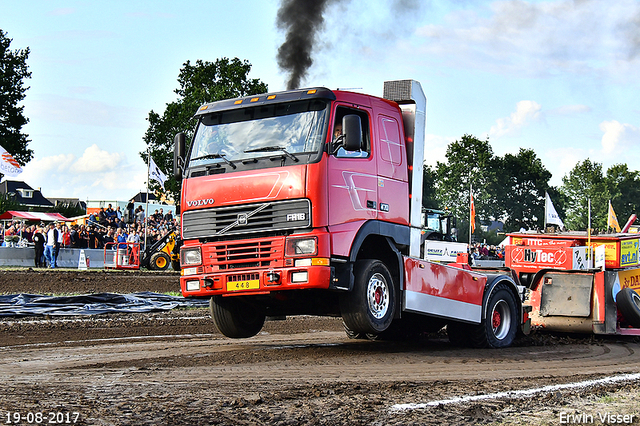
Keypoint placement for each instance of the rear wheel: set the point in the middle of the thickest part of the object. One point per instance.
(499, 327)
(235, 317)
(628, 302)
(159, 261)
(353, 334)
(370, 306)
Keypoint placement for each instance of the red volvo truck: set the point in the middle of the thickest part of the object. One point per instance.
(309, 202)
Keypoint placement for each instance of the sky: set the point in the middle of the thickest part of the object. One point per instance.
(559, 77)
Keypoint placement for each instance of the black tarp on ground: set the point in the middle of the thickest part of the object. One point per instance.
(92, 304)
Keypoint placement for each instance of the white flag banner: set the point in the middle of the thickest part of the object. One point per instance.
(8, 165)
(155, 173)
(550, 215)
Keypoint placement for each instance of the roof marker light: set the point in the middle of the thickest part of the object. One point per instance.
(271, 97)
(311, 92)
(254, 99)
(238, 102)
(203, 107)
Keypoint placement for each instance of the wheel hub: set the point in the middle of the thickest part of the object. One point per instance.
(497, 319)
(378, 296)
(500, 319)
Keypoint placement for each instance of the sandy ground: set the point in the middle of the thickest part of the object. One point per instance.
(174, 368)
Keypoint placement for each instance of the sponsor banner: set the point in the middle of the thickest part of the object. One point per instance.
(630, 278)
(611, 252)
(443, 251)
(628, 253)
(600, 257)
(535, 258)
(543, 242)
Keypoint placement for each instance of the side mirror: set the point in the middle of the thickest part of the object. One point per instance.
(180, 142)
(352, 130)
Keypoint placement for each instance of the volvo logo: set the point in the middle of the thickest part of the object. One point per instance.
(197, 203)
(242, 219)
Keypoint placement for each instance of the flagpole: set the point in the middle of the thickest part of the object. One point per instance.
(589, 229)
(146, 210)
(470, 219)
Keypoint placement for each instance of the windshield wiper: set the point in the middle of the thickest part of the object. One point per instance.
(216, 155)
(273, 148)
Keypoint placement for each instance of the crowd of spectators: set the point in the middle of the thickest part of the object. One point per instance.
(106, 226)
(109, 226)
(481, 251)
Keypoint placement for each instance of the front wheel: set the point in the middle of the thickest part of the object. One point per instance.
(500, 325)
(235, 317)
(370, 306)
(159, 261)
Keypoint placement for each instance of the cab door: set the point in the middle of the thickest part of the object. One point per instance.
(352, 178)
(391, 158)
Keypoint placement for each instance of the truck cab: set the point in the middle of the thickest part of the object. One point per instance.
(310, 202)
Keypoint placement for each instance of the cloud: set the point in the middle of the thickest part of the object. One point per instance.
(62, 12)
(97, 175)
(538, 39)
(561, 161)
(72, 110)
(435, 149)
(526, 112)
(95, 160)
(618, 137)
(569, 110)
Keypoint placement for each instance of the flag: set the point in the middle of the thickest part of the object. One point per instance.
(473, 215)
(155, 173)
(550, 215)
(612, 220)
(8, 165)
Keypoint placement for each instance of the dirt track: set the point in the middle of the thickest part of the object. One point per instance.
(175, 368)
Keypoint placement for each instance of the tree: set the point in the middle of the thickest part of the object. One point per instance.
(13, 72)
(199, 84)
(624, 189)
(469, 161)
(583, 183)
(8, 202)
(518, 190)
(429, 178)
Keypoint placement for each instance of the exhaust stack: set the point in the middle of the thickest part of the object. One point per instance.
(413, 103)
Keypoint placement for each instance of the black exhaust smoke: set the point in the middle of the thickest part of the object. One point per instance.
(301, 19)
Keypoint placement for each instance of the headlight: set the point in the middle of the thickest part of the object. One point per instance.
(193, 285)
(191, 256)
(301, 246)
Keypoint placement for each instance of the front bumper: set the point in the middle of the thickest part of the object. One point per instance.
(256, 281)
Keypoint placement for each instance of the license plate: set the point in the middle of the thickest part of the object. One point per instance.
(243, 285)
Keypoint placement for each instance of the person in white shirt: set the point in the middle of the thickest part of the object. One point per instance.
(133, 237)
(51, 244)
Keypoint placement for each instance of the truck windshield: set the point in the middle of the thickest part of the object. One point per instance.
(238, 135)
(434, 222)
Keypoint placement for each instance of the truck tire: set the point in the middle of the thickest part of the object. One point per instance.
(159, 261)
(235, 318)
(370, 306)
(628, 302)
(352, 334)
(500, 325)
